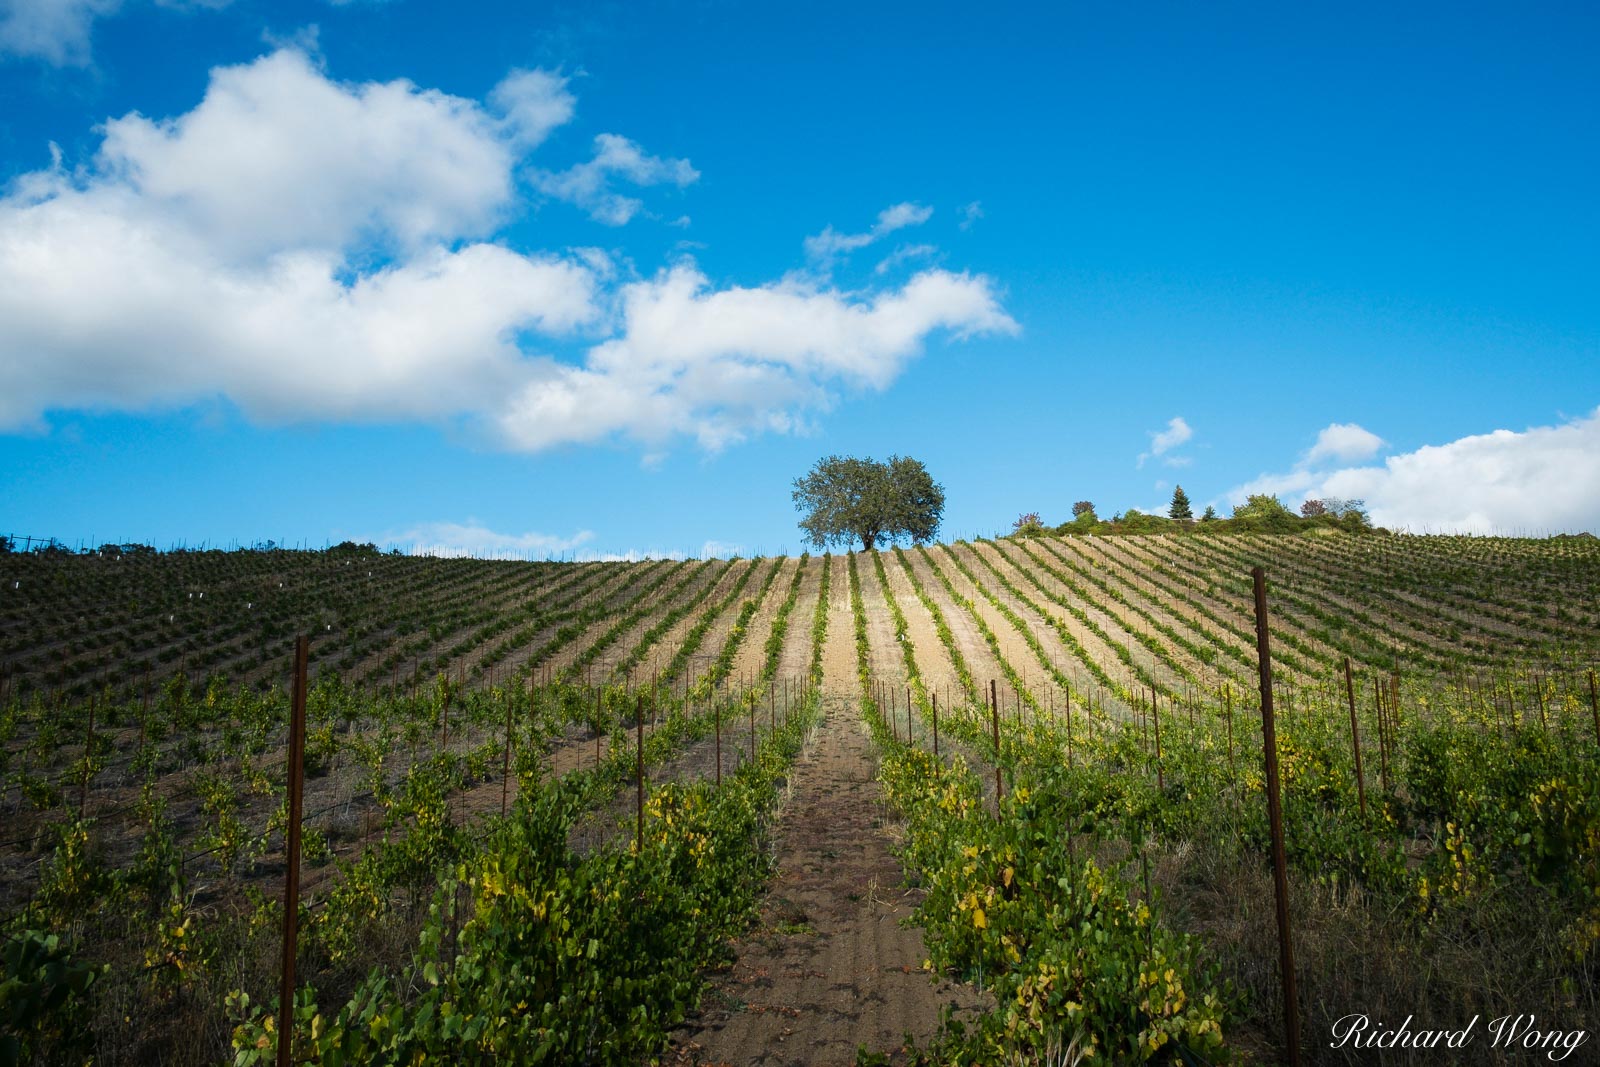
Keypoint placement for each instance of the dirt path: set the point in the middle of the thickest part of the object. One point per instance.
(829, 968)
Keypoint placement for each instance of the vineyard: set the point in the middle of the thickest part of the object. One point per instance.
(546, 805)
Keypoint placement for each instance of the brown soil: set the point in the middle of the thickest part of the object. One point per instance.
(794, 659)
(1097, 650)
(682, 578)
(752, 655)
(666, 648)
(1139, 587)
(706, 577)
(829, 968)
(1107, 621)
(839, 677)
(721, 631)
(1061, 657)
(968, 641)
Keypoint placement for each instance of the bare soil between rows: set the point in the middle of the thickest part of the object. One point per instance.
(831, 966)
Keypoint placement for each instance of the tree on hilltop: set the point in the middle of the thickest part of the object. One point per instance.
(1264, 513)
(847, 499)
(1180, 505)
(1028, 524)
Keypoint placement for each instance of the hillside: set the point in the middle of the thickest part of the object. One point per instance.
(1170, 611)
(493, 717)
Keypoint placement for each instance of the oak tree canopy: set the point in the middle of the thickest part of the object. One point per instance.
(847, 499)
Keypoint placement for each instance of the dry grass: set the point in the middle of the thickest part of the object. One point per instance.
(1355, 954)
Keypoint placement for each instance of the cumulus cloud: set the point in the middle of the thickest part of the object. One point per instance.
(278, 157)
(58, 32)
(532, 103)
(1546, 478)
(311, 249)
(1346, 442)
(722, 364)
(588, 185)
(1176, 433)
(830, 244)
(472, 539)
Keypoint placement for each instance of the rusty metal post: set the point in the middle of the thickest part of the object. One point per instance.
(1594, 706)
(717, 712)
(444, 713)
(291, 878)
(1355, 735)
(1280, 874)
(936, 722)
(994, 716)
(909, 733)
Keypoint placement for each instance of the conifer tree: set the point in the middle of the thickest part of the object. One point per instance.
(1180, 505)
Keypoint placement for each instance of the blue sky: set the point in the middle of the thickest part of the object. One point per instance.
(595, 279)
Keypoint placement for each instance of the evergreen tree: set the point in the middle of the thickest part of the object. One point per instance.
(1180, 505)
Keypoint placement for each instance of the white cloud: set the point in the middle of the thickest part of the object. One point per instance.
(310, 249)
(1546, 478)
(111, 309)
(58, 32)
(1346, 442)
(1341, 441)
(278, 157)
(588, 185)
(721, 364)
(903, 254)
(830, 244)
(1176, 433)
(722, 550)
(533, 103)
(450, 539)
(970, 214)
